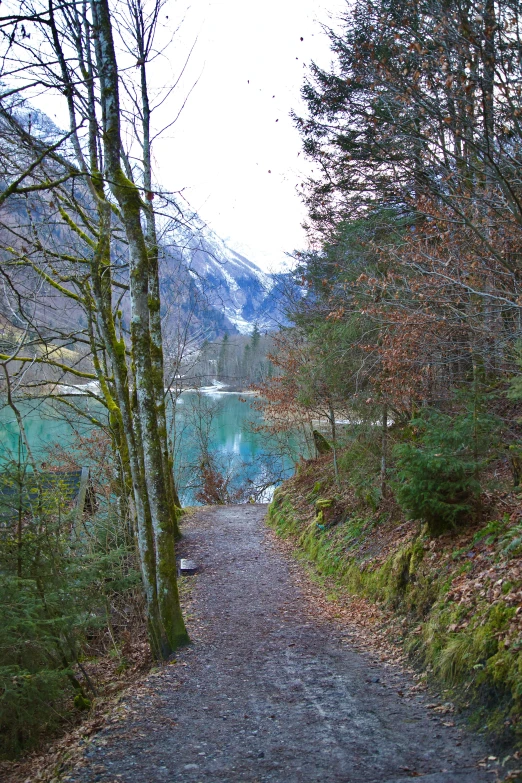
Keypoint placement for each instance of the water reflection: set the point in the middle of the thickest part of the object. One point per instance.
(225, 424)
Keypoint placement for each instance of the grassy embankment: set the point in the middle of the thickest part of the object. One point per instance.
(458, 597)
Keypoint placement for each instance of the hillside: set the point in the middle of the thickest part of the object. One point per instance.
(454, 602)
(205, 285)
(218, 288)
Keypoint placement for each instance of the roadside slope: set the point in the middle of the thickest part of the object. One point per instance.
(452, 603)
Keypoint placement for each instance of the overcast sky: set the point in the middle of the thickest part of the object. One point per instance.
(234, 148)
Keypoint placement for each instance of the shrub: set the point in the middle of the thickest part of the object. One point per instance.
(437, 470)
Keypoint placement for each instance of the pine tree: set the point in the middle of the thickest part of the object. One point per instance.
(222, 367)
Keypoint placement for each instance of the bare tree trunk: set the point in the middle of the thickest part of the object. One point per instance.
(334, 440)
(384, 449)
(154, 299)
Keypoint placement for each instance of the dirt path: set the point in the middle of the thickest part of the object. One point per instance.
(265, 693)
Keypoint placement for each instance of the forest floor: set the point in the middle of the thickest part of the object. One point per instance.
(279, 684)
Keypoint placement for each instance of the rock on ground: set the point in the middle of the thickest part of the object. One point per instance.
(266, 692)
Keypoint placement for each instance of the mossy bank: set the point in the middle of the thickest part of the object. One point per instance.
(457, 598)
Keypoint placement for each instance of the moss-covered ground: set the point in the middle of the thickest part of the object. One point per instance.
(458, 597)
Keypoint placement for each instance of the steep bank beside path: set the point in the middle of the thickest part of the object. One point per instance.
(266, 692)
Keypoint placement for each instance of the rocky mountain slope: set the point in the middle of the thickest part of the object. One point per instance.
(224, 291)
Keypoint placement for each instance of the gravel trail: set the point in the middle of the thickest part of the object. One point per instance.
(267, 693)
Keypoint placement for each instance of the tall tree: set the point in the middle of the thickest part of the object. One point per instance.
(128, 197)
(423, 101)
(83, 68)
(418, 121)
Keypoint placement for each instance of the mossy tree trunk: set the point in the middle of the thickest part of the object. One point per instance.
(151, 239)
(127, 447)
(118, 403)
(131, 205)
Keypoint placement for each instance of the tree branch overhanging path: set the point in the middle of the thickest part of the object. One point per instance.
(269, 690)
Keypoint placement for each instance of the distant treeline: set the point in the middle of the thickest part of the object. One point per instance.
(236, 360)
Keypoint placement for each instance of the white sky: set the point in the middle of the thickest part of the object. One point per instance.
(235, 128)
(234, 151)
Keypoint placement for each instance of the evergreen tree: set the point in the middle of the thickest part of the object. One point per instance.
(256, 360)
(59, 581)
(409, 109)
(246, 363)
(222, 367)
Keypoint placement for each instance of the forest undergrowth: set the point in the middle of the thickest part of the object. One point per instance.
(73, 619)
(115, 675)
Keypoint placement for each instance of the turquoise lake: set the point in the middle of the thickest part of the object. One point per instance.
(222, 422)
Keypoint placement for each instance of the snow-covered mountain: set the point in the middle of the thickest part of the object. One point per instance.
(201, 276)
(226, 291)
